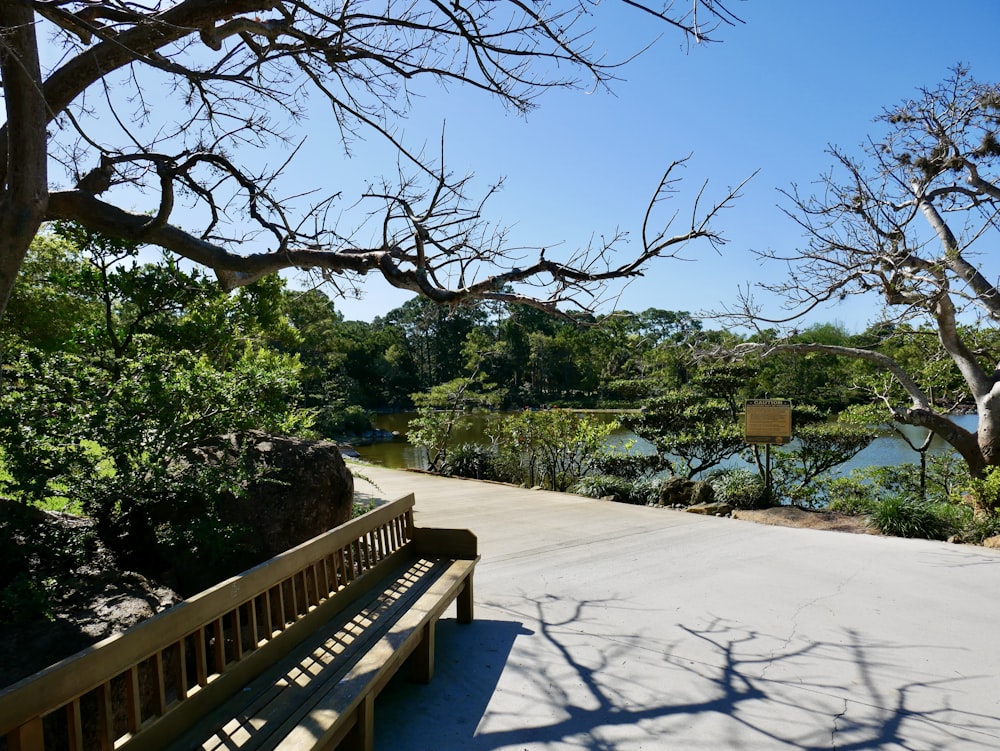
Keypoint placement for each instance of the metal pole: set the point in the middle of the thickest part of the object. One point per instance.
(767, 473)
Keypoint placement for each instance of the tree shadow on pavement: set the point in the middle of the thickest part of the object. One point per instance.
(568, 683)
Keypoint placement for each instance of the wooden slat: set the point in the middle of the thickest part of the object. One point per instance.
(133, 704)
(105, 717)
(268, 614)
(27, 737)
(74, 726)
(334, 712)
(159, 684)
(219, 648)
(201, 656)
(237, 633)
(164, 733)
(451, 543)
(254, 626)
(182, 672)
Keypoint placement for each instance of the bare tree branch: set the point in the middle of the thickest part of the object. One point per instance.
(198, 90)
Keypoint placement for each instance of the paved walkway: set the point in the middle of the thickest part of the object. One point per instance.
(603, 626)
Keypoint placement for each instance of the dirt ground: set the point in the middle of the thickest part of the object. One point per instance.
(792, 516)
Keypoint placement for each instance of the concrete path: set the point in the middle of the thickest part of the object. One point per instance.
(604, 626)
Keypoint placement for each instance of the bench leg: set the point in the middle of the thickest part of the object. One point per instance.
(422, 659)
(27, 737)
(465, 602)
(362, 735)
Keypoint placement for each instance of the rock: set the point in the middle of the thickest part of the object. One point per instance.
(710, 509)
(682, 492)
(296, 489)
(992, 542)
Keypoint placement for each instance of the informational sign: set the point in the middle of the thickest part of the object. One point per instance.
(768, 421)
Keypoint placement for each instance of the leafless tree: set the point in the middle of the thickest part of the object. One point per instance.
(913, 219)
(178, 101)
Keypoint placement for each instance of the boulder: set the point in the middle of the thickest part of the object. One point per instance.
(710, 509)
(992, 542)
(290, 490)
(681, 491)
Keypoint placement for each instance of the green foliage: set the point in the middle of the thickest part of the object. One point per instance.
(986, 490)
(147, 361)
(360, 509)
(819, 447)
(900, 516)
(552, 447)
(38, 558)
(476, 461)
(601, 486)
(740, 488)
(619, 463)
(691, 432)
(442, 411)
(643, 491)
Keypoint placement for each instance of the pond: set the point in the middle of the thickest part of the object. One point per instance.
(887, 450)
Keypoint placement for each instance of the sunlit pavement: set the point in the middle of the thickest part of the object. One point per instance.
(607, 626)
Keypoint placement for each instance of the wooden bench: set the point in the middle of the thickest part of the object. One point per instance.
(288, 655)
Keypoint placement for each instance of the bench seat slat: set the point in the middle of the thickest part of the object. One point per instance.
(360, 645)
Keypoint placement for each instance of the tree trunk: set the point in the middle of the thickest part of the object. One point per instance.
(24, 193)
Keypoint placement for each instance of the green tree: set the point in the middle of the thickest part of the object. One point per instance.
(554, 447)
(691, 431)
(443, 409)
(102, 424)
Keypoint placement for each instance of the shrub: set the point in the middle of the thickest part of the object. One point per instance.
(646, 491)
(599, 486)
(740, 488)
(900, 516)
(977, 527)
(986, 491)
(472, 460)
(848, 495)
(627, 466)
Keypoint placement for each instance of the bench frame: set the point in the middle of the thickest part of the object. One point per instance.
(140, 683)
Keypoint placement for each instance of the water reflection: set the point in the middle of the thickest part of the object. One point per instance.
(887, 450)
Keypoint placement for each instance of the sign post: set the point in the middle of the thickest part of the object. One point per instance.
(768, 421)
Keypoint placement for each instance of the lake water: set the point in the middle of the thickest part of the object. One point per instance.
(887, 450)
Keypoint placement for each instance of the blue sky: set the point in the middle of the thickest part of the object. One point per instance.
(771, 96)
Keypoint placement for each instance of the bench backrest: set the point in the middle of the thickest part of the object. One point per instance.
(157, 678)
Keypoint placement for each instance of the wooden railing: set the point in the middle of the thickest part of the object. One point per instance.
(154, 680)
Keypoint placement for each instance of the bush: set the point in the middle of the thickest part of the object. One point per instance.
(848, 495)
(639, 492)
(646, 491)
(39, 560)
(900, 516)
(599, 486)
(986, 491)
(472, 460)
(627, 466)
(740, 488)
(977, 527)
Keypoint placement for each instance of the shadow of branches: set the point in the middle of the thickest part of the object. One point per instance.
(571, 683)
